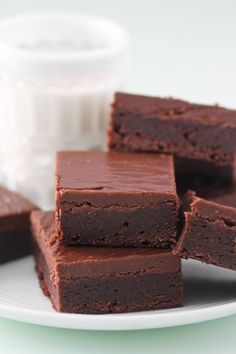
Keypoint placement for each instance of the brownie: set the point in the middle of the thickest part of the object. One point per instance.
(15, 235)
(103, 279)
(116, 199)
(167, 125)
(209, 233)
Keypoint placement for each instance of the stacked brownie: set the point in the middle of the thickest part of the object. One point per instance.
(115, 241)
(107, 249)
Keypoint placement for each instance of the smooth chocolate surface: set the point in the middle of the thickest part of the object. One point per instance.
(103, 279)
(115, 172)
(116, 199)
(14, 225)
(167, 125)
(209, 233)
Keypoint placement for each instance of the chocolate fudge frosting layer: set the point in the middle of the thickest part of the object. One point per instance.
(115, 172)
(213, 211)
(140, 123)
(13, 205)
(93, 261)
(111, 294)
(171, 107)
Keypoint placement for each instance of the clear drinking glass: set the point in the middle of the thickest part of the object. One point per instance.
(58, 73)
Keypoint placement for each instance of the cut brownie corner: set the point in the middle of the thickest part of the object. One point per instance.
(209, 233)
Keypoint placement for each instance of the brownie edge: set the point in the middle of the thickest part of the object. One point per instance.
(209, 233)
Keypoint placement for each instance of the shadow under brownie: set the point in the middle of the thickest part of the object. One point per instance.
(102, 279)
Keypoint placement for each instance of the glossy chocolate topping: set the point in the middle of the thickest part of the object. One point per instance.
(13, 203)
(115, 172)
(212, 210)
(175, 108)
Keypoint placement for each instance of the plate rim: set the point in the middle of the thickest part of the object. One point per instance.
(118, 322)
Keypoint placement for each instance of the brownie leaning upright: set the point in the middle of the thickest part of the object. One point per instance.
(209, 232)
(202, 138)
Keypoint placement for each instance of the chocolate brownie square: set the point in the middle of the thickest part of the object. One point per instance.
(167, 125)
(116, 199)
(102, 279)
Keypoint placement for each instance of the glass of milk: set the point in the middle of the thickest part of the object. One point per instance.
(58, 73)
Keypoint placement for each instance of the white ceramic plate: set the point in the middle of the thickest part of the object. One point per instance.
(210, 293)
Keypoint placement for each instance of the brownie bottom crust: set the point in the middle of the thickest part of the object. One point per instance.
(111, 294)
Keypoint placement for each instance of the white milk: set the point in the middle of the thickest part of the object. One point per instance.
(58, 74)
